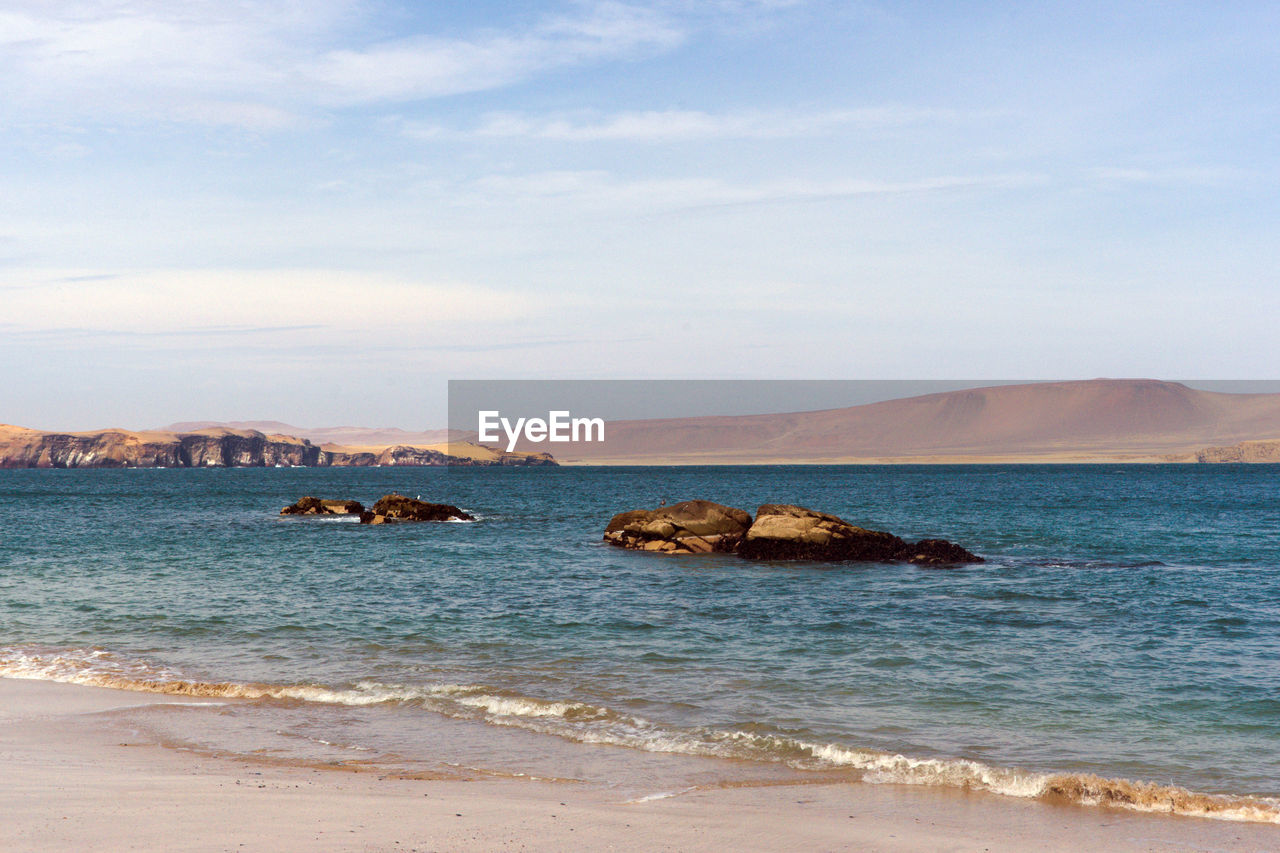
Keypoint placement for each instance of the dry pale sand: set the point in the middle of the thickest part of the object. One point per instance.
(71, 781)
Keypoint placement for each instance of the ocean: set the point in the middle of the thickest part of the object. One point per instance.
(1121, 645)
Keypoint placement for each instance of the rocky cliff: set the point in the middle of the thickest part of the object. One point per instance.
(1245, 451)
(216, 448)
(26, 448)
(403, 454)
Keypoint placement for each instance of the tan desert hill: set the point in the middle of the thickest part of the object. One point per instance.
(1093, 420)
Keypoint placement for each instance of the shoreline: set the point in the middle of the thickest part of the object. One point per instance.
(715, 461)
(991, 460)
(72, 783)
(532, 739)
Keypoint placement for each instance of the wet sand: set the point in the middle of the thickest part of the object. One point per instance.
(70, 781)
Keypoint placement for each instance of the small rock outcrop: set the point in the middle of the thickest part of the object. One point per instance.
(779, 532)
(392, 508)
(319, 506)
(691, 527)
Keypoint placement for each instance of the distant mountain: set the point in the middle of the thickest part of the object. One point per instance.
(265, 427)
(1094, 420)
(341, 435)
(1090, 421)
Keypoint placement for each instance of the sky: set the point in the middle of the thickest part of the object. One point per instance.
(322, 212)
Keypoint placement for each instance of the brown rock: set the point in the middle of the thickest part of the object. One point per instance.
(939, 552)
(691, 527)
(787, 532)
(317, 506)
(396, 507)
(339, 507)
(622, 519)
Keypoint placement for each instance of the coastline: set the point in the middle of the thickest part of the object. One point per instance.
(712, 460)
(73, 780)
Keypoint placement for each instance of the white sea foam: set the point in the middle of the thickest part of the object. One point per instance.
(884, 767)
(594, 724)
(661, 795)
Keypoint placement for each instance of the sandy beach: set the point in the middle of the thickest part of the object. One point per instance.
(73, 781)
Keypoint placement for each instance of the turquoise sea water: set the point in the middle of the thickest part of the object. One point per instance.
(1126, 624)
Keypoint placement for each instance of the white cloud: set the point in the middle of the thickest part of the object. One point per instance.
(259, 65)
(688, 125)
(597, 190)
(124, 62)
(220, 301)
(1199, 176)
(423, 66)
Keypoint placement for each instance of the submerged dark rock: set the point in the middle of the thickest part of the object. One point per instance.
(940, 552)
(319, 506)
(779, 532)
(690, 527)
(396, 507)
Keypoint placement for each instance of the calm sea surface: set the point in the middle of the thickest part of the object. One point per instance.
(1126, 624)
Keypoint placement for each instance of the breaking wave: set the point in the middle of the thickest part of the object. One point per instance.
(588, 723)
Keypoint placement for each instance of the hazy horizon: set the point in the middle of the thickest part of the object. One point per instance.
(654, 399)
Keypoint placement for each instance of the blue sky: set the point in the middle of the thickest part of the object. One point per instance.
(321, 212)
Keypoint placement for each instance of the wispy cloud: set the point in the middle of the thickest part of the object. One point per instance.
(268, 65)
(596, 190)
(1171, 176)
(423, 66)
(105, 60)
(221, 302)
(688, 125)
(114, 335)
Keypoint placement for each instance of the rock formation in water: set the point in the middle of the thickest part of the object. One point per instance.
(319, 506)
(691, 527)
(392, 508)
(222, 448)
(779, 532)
(787, 532)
